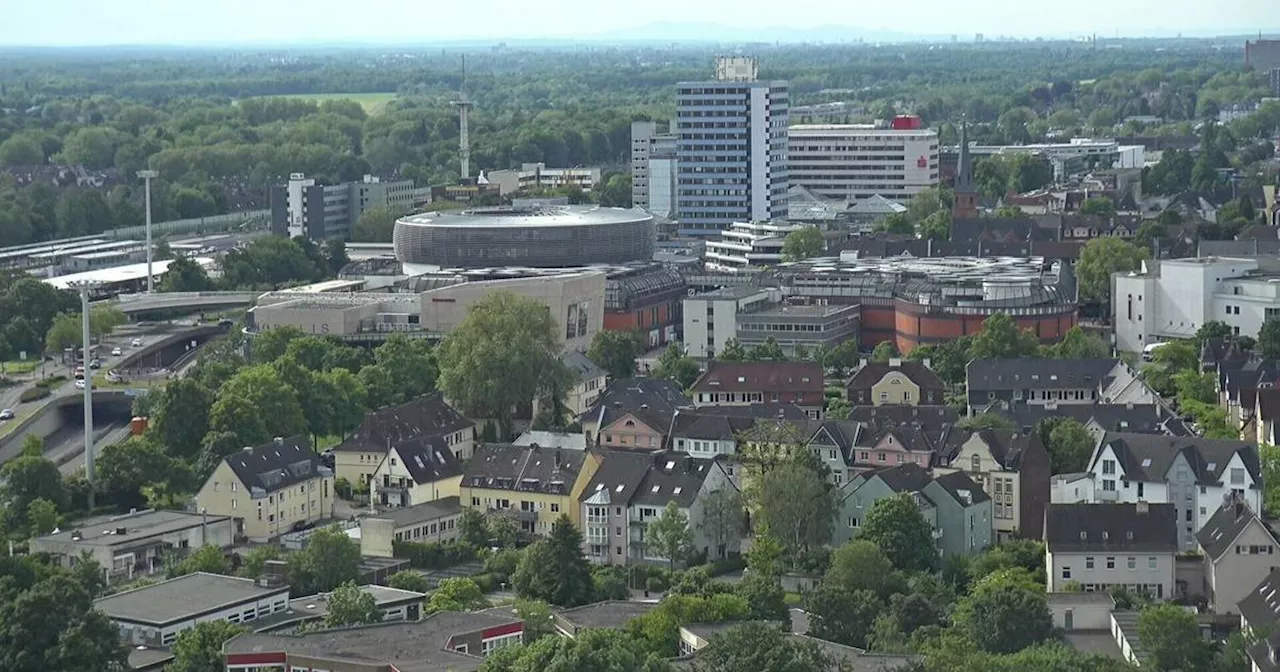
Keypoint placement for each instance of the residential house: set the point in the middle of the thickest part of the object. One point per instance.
(955, 507)
(270, 490)
(1101, 546)
(536, 485)
(745, 383)
(630, 490)
(1260, 620)
(417, 471)
(634, 413)
(1239, 551)
(897, 382)
(1266, 411)
(933, 420)
(358, 456)
(891, 445)
(1099, 419)
(1238, 384)
(1037, 380)
(1193, 474)
(589, 381)
(1013, 469)
(135, 544)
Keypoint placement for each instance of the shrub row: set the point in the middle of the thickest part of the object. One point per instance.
(434, 555)
(33, 393)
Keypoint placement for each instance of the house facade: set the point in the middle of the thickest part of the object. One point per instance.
(1013, 469)
(270, 490)
(535, 485)
(1239, 551)
(746, 383)
(897, 382)
(957, 510)
(1102, 546)
(648, 403)
(359, 455)
(415, 472)
(1032, 380)
(1193, 474)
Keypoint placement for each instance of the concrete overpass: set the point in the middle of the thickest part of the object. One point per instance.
(144, 303)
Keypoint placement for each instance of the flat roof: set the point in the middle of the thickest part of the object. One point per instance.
(410, 515)
(183, 598)
(312, 607)
(126, 273)
(326, 286)
(732, 292)
(88, 249)
(536, 217)
(607, 614)
(104, 254)
(859, 129)
(104, 531)
(802, 311)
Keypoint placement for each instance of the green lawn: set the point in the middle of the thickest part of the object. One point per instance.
(18, 367)
(10, 425)
(373, 103)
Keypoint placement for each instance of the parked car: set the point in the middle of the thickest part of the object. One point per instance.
(6, 414)
(116, 352)
(95, 363)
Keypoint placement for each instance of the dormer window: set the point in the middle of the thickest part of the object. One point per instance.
(631, 423)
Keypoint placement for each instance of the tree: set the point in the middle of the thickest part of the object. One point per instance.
(255, 560)
(20, 150)
(803, 243)
(1000, 338)
(185, 275)
(616, 352)
(182, 416)
(257, 406)
(52, 625)
(1100, 258)
(861, 565)
(842, 616)
(409, 580)
(1004, 616)
(28, 478)
(1171, 635)
(1070, 446)
(329, 560)
(538, 620)
(897, 223)
(884, 351)
(125, 468)
(674, 365)
(1213, 329)
(271, 344)
(503, 353)
(722, 518)
(658, 631)
(1098, 205)
(795, 505)
(935, 227)
(595, 650)
(615, 192)
(405, 367)
(733, 351)
(1076, 345)
(844, 356)
(669, 536)
(553, 569)
(1268, 339)
(473, 528)
(456, 595)
(348, 605)
(43, 516)
(768, 351)
(209, 559)
(753, 647)
(199, 649)
(929, 202)
(897, 527)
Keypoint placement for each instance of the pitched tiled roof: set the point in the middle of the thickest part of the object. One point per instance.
(1007, 447)
(957, 484)
(672, 477)
(1268, 403)
(652, 400)
(1225, 525)
(1038, 373)
(618, 477)
(523, 468)
(1081, 528)
(917, 372)
(1137, 418)
(708, 426)
(428, 459)
(930, 418)
(578, 363)
(278, 464)
(908, 477)
(1261, 607)
(386, 427)
(1147, 457)
(757, 376)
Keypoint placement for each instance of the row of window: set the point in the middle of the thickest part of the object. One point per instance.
(504, 504)
(1131, 562)
(426, 530)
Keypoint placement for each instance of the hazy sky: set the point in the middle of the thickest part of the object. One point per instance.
(96, 22)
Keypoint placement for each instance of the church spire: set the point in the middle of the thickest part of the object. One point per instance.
(964, 167)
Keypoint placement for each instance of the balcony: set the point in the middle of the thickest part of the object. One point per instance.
(1106, 495)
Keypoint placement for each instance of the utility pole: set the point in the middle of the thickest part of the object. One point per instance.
(147, 176)
(85, 288)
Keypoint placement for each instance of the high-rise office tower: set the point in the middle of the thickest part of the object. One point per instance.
(731, 149)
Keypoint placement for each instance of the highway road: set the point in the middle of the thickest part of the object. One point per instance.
(69, 455)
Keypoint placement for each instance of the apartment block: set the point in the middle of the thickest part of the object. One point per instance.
(319, 212)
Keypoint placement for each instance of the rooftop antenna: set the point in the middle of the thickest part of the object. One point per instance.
(464, 109)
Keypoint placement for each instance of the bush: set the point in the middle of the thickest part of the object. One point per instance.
(503, 563)
(433, 555)
(655, 584)
(487, 582)
(33, 393)
(51, 381)
(735, 563)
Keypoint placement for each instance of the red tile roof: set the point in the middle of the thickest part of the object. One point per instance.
(761, 376)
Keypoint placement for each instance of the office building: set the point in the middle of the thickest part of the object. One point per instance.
(653, 168)
(731, 149)
(748, 245)
(320, 212)
(853, 162)
(1274, 76)
(799, 328)
(537, 176)
(710, 318)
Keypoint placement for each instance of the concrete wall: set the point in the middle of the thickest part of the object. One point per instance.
(62, 410)
(576, 296)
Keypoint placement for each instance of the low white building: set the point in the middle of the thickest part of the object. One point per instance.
(711, 318)
(748, 245)
(1173, 298)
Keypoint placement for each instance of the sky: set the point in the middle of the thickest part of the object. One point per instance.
(190, 22)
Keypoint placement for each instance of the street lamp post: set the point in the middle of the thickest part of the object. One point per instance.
(84, 289)
(146, 176)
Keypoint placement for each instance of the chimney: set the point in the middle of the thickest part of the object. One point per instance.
(862, 363)
(895, 362)
(1128, 406)
(247, 449)
(1141, 507)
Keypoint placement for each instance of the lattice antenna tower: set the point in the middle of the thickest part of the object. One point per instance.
(464, 111)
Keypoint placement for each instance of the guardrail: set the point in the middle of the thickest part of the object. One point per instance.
(126, 298)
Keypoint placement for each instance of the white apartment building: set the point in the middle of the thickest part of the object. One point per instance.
(1173, 298)
(1101, 546)
(1195, 475)
(852, 162)
(653, 169)
(711, 318)
(746, 245)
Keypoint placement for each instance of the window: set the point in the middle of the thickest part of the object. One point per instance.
(975, 463)
(555, 508)
(1237, 476)
(1108, 467)
(853, 523)
(1151, 562)
(1088, 562)
(1132, 562)
(1066, 573)
(1111, 563)
(884, 397)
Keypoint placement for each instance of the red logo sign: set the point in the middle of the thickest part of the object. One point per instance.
(922, 162)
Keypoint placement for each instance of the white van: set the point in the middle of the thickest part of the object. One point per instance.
(1149, 352)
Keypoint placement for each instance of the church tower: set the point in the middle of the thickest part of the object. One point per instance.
(966, 198)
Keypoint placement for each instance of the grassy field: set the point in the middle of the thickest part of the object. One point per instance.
(371, 102)
(18, 366)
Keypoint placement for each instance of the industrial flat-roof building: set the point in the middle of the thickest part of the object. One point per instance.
(135, 544)
(157, 614)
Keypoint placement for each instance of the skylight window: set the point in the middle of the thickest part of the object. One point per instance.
(1146, 462)
(656, 488)
(677, 490)
(671, 464)
(599, 487)
(619, 488)
(1213, 465)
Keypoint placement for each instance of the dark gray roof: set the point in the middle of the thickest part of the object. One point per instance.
(410, 515)
(578, 363)
(652, 400)
(907, 477)
(708, 426)
(1225, 525)
(957, 483)
(1147, 457)
(387, 427)
(917, 372)
(105, 530)
(523, 468)
(1007, 447)
(618, 476)
(766, 410)
(1037, 373)
(930, 418)
(672, 477)
(1137, 418)
(1111, 528)
(428, 459)
(1268, 403)
(183, 598)
(1261, 607)
(411, 647)
(278, 464)
(608, 614)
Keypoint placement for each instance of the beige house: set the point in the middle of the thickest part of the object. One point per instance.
(1239, 552)
(270, 490)
(1014, 470)
(896, 382)
(416, 471)
(432, 522)
(533, 484)
(590, 383)
(359, 456)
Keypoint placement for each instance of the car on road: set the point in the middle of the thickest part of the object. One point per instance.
(116, 352)
(6, 414)
(137, 343)
(80, 384)
(95, 363)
